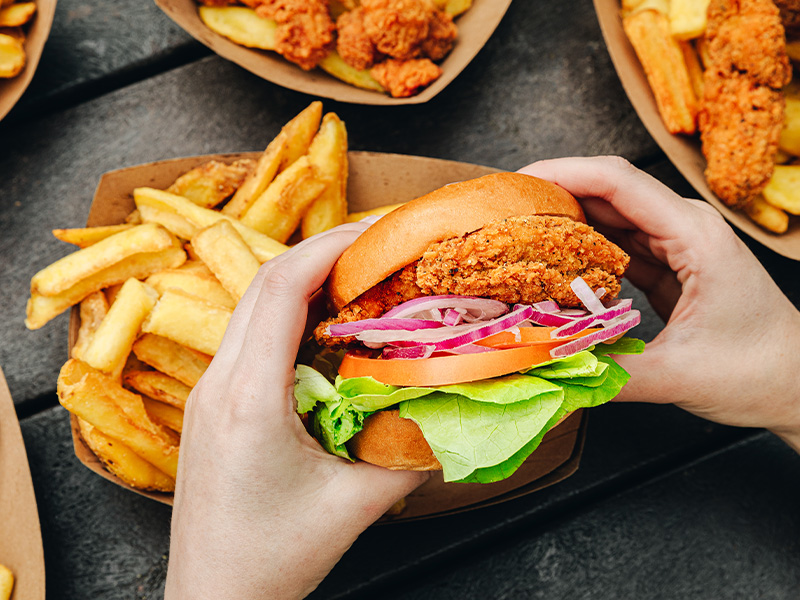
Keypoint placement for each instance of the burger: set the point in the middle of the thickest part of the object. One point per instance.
(465, 325)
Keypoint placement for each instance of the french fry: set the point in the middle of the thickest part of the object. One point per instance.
(195, 266)
(6, 582)
(262, 246)
(457, 7)
(159, 386)
(241, 25)
(211, 183)
(173, 359)
(693, 67)
(278, 211)
(93, 310)
(289, 145)
(664, 65)
(86, 262)
(630, 7)
(16, 15)
(189, 320)
(790, 135)
(374, 212)
(42, 309)
(112, 292)
(18, 33)
(193, 282)
(113, 339)
(224, 251)
(783, 189)
(172, 222)
(12, 56)
(764, 214)
(123, 462)
(134, 217)
(328, 153)
(83, 237)
(120, 414)
(164, 414)
(334, 65)
(687, 18)
(793, 50)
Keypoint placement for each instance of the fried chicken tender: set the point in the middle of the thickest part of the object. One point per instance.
(397, 27)
(741, 113)
(516, 260)
(305, 29)
(403, 78)
(353, 43)
(441, 36)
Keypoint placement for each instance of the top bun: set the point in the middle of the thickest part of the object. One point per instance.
(402, 236)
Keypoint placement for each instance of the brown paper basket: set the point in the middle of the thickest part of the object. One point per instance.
(20, 533)
(12, 89)
(684, 152)
(375, 179)
(474, 27)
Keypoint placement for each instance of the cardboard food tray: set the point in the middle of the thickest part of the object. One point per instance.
(20, 534)
(474, 29)
(683, 151)
(37, 31)
(375, 179)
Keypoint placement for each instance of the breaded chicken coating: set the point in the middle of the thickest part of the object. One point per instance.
(353, 43)
(305, 29)
(397, 27)
(441, 36)
(741, 113)
(517, 260)
(403, 78)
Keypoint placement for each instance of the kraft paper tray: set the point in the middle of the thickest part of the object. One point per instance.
(375, 179)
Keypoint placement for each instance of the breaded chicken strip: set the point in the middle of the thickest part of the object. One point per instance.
(397, 27)
(353, 43)
(741, 112)
(403, 78)
(305, 29)
(441, 36)
(517, 260)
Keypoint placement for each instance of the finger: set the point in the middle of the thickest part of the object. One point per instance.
(638, 197)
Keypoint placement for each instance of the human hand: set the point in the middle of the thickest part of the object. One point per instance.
(729, 350)
(261, 510)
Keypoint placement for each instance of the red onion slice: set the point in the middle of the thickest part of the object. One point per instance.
(622, 324)
(452, 317)
(357, 327)
(482, 308)
(547, 306)
(614, 310)
(586, 295)
(412, 352)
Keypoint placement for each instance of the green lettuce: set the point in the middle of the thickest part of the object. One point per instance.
(480, 431)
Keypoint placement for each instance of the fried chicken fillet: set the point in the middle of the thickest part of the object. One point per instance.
(741, 113)
(397, 27)
(403, 78)
(305, 29)
(516, 260)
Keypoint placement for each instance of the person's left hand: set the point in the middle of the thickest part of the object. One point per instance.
(261, 510)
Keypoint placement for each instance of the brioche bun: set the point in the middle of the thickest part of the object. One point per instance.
(402, 236)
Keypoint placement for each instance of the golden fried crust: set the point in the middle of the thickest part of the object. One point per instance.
(397, 27)
(741, 113)
(519, 259)
(305, 29)
(353, 43)
(403, 78)
(441, 37)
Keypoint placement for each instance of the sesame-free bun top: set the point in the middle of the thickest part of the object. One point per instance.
(403, 235)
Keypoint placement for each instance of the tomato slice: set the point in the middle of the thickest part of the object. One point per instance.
(511, 356)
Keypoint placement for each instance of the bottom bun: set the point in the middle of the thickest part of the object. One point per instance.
(387, 440)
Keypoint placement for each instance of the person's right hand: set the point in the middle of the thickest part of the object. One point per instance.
(730, 351)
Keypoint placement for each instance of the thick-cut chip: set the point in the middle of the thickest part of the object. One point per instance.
(86, 236)
(12, 56)
(189, 320)
(115, 411)
(769, 217)
(224, 251)
(6, 582)
(124, 462)
(373, 212)
(16, 15)
(42, 309)
(171, 221)
(113, 339)
(213, 182)
(300, 131)
(159, 386)
(328, 153)
(194, 282)
(687, 18)
(182, 363)
(790, 135)
(693, 67)
(278, 211)
(93, 310)
(259, 179)
(333, 64)
(456, 7)
(195, 266)
(82, 264)
(241, 25)
(164, 414)
(664, 65)
(262, 246)
(18, 33)
(783, 189)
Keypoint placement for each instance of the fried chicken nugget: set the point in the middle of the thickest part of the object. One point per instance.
(403, 78)
(353, 44)
(305, 29)
(397, 27)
